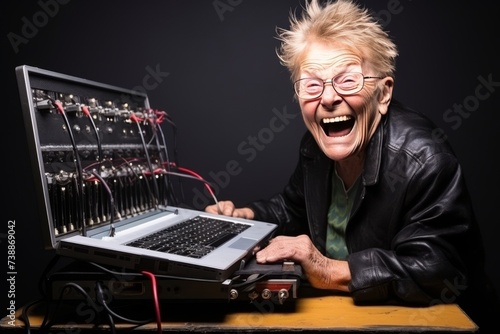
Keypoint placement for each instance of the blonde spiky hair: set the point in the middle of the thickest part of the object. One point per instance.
(341, 22)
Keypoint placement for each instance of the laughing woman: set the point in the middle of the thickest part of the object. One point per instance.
(377, 205)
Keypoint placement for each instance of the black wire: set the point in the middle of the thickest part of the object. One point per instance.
(154, 129)
(150, 166)
(148, 187)
(166, 164)
(101, 301)
(49, 318)
(43, 276)
(98, 139)
(187, 176)
(43, 292)
(79, 171)
(111, 324)
(111, 199)
(174, 127)
(110, 271)
(25, 317)
(115, 273)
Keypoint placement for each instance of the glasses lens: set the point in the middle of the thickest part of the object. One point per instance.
(308, 88)
(348, 83)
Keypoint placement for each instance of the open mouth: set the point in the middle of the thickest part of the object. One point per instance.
(337, 126)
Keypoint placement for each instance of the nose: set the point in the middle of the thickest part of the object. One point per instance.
(329, 96)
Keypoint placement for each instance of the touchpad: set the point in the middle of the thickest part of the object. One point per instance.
(243, 243)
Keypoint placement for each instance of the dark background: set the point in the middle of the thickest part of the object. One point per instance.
(225, 86)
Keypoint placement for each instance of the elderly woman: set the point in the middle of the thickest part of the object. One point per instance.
(377, 205)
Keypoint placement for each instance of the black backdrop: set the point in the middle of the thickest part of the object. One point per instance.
(212, 66)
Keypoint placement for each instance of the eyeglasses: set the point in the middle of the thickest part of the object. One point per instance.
(343, 84)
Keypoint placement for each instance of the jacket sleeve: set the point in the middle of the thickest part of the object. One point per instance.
(425, 262)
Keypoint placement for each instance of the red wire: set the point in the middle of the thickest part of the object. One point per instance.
(185, 170)
(155, 297)
(159, 116)
(134, 118)
(86, 110)
(162, 115)
(59, 106)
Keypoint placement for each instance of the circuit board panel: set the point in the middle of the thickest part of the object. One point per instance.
(101, 148)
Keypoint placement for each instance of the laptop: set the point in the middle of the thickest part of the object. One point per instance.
(103, 183)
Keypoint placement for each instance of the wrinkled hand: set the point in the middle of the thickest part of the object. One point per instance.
(227, 208)
(321, 272)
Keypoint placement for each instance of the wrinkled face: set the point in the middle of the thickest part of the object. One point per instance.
(342, 124)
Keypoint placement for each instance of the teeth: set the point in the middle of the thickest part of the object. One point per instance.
(336, 119)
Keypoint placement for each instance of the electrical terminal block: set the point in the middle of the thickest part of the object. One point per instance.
(276, 290)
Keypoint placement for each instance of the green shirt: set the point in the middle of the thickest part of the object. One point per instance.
(338, 216)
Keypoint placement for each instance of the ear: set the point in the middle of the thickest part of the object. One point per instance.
(385, 95)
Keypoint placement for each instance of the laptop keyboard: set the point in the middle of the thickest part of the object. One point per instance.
(195, 237)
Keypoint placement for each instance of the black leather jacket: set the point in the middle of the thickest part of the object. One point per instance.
(412, 236)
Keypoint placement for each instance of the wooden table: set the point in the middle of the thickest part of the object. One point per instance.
(312, 312)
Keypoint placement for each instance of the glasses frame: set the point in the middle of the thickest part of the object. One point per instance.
(331, 81)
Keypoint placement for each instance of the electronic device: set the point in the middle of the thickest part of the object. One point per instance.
(103, 183)
(277, 283)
